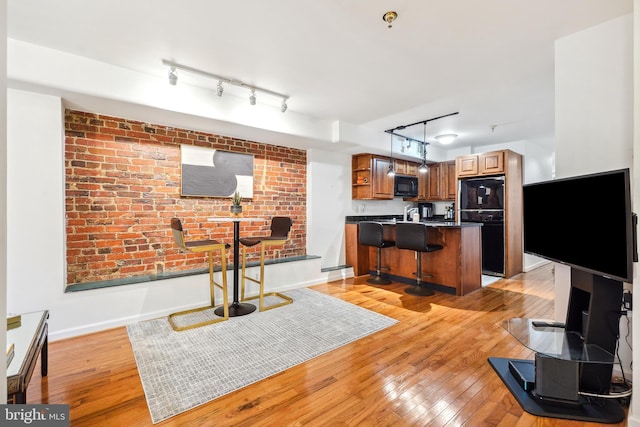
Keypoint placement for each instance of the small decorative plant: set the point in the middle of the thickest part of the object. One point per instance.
(236, 201)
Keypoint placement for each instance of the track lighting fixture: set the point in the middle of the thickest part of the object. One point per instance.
(444, 139)
(173, 76)
(173, 79)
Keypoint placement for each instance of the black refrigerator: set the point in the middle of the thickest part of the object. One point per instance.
(482, 200)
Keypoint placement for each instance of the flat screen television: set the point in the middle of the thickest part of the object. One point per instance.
(584, 222)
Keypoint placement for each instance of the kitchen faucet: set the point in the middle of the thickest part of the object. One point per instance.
(404, 215)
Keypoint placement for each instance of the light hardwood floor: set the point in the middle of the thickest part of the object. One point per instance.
(430, 369)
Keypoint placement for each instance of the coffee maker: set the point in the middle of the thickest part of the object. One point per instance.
(425, 210)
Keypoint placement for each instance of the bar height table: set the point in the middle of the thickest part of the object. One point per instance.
(236, 308)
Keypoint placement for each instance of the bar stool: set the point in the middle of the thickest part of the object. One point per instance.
(199, 246)
(413, 235)
(280, 226)
(370, 233)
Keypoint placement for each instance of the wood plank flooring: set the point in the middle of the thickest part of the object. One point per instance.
(430, 369)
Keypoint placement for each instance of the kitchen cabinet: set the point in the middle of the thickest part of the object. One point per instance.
(369, 179)
(405, 167)
(434, 180)
(371, 182)
(438, 183)
(451, 181)
(467, 165)
(505, 163)
(382, 185)
(491, 163)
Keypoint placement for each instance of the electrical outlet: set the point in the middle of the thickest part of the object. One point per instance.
(627, 298)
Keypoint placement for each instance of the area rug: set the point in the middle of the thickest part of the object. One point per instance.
(182, 370)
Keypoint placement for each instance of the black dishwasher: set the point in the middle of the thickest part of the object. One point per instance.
(492, 232)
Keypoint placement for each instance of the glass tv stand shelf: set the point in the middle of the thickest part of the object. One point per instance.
(551, 339)
(550, 385)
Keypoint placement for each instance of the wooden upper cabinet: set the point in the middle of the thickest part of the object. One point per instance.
(434, 179)
(412, 169)
(361, 177)
(450, 179)
(404, 167)
(491, 163)
(400, 167)
(369, 179)
(467, 165)
(382, 184)
(438, 183)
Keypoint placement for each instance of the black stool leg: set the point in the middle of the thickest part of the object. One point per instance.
(378, 280)
(419, 289)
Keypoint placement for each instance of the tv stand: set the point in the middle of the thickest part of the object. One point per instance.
(570, 361)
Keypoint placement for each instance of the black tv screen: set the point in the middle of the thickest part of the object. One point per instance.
(584, 222)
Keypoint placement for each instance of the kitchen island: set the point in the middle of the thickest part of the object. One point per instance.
(456, 269)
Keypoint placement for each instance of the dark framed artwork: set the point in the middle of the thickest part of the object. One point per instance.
(207, 172)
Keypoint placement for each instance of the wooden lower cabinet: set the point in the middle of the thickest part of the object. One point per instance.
(458, 266)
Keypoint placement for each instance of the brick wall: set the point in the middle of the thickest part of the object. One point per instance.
(123, 187)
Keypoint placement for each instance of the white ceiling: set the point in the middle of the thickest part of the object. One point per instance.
(489, 60)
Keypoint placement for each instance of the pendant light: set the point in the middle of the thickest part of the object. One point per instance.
(391, 171)
(423, 167)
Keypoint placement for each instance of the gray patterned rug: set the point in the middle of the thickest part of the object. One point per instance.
(181, 370)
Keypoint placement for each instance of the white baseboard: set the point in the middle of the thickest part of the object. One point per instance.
(531, 267)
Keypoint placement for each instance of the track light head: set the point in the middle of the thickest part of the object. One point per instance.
(283, 105)
(173, 76)
(219, 89)
(252, 98)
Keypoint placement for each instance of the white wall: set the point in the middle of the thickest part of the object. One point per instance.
(594, 124)
(328, 193)
(594, 107)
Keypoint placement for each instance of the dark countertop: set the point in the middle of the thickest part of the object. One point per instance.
(436, 221)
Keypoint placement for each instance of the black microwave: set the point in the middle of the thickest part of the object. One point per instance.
(405, 186)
